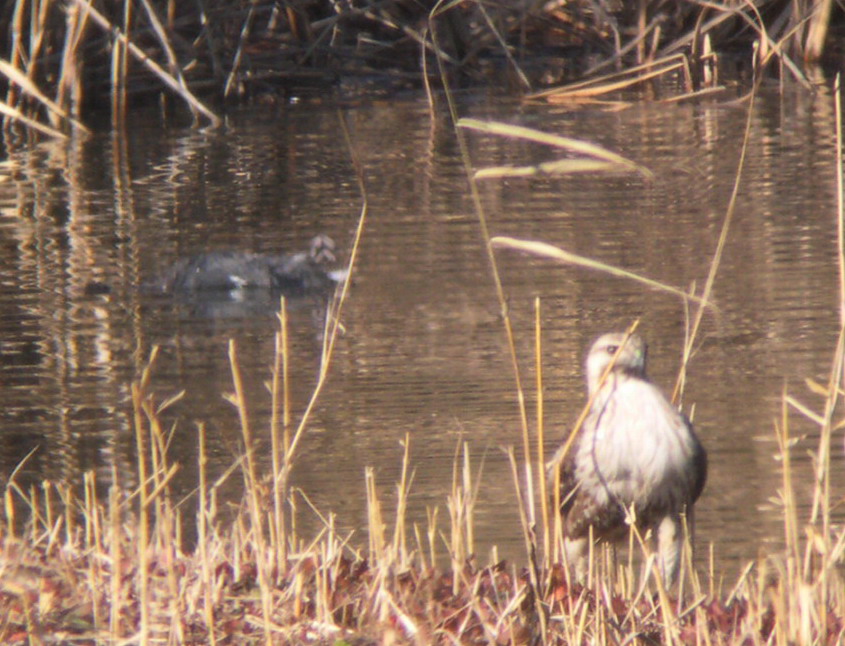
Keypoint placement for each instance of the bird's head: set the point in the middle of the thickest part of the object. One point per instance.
(630, 359)
(322, 249)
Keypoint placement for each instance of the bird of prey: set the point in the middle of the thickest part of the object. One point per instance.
(635, 452)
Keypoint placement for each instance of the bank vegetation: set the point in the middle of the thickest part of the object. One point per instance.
(80, 64)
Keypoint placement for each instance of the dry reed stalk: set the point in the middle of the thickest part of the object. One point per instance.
(766, 47)
(236, 62)
(238, 400)
(840, 198)
(572, 146)
(91, 507)
(70, 83)
(375, 520)
(789, 505)
(115, 554)
(822, 490)
(617, 80)
(432, 534)
(332, 323)
(17, 115)
(8, 496)
(374, 13)
(155, 68)
(172, 62)
(419, 550)
(506, 50)
(541, 439)
(669, 622)
(545, 250)
(164, 540)
(704, 26)
(16, 49)
(68, 516)
(641, 20)
(622, 51)
(93, 542)
(48, 510)
(706, 291)
(548, 169)
(119, 72)
(399, 547)
(203, 538)
(530, 540)
(558, 553)
(142, 547)
(280, 445)
(460, 503)
(817, 30)
(37, 34)
(486, 238)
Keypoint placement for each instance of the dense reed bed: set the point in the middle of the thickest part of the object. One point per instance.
(59, 59)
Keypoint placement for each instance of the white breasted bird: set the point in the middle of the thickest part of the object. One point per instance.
(635, 452)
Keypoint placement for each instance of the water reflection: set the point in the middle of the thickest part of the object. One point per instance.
(423, 351)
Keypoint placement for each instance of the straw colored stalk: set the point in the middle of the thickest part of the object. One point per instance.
(238, 400)
(618, 81)
(819, 22)
(70, 83)
(146, 61)
(280, 441)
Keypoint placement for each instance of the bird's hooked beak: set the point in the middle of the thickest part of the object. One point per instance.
(640, 355)
(639, 352)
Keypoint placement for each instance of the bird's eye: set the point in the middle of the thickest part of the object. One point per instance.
(611, 349)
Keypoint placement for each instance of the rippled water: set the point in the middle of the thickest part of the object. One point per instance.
(423, 351)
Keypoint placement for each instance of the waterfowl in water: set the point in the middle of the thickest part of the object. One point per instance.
(223, 271)
(634, 451)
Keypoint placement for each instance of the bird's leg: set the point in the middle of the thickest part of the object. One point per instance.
(689, 529)
(670, 541)
(576, 551)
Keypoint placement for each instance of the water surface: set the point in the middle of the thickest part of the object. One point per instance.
(423, 352)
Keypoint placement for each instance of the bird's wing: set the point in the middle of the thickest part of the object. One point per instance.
(580, 508)
(699, 467)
